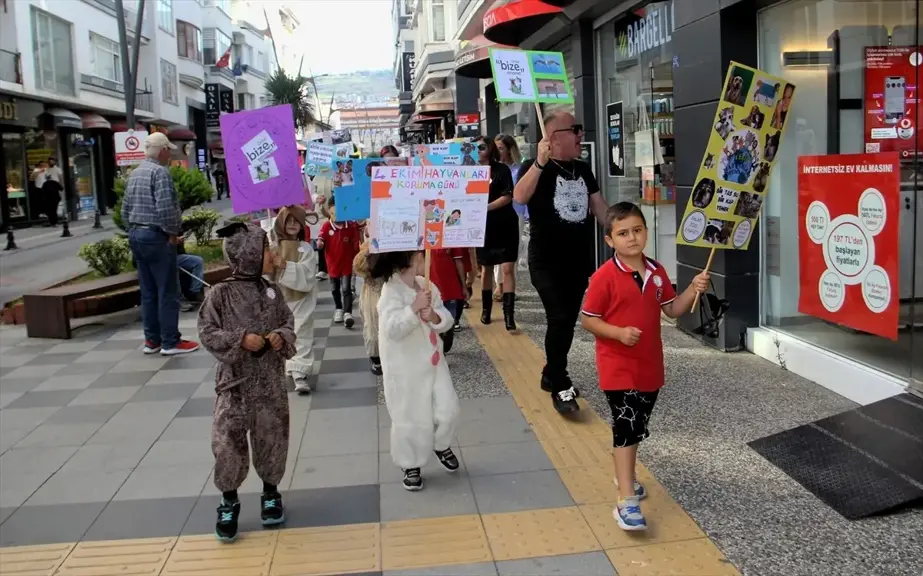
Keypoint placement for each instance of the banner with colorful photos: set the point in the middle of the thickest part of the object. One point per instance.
(742, 149)
(416, 207)
(353, 186)
(530, 76)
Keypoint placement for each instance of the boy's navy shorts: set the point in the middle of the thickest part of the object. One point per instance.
(631, 412)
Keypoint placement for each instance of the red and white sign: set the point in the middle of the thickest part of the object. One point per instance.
(129, 147)
(891, 97)
(848, 206)
(468, 118)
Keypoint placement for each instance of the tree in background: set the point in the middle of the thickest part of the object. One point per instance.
(295, 90)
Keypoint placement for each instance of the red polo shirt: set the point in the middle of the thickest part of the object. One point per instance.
(444, 275)
(623, 297)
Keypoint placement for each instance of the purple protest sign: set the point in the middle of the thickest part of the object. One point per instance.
(262, 159)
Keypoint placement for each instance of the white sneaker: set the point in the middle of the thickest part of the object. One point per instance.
(302, 385)
(338, 317)
(321, 276)
(348, 320)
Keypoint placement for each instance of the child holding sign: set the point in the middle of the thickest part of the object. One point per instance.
(340, 243)
(622, 309)
(419, 394)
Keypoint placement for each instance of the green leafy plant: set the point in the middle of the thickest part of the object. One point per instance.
(295, 90)
(107, 257)
(201, 222)
(192, 188)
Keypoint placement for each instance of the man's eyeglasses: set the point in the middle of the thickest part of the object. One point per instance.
(576, 129)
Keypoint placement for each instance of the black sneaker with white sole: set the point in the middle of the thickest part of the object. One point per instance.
(413, 481)
(226, 526)
(375, 365)
(272, 512)
(447, 459)
(565, 401)
(548, 385)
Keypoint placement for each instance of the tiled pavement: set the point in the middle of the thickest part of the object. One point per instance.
(106, 469)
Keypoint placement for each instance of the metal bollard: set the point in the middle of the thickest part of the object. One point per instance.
(10, 240)
(66, 233)
(97, 225)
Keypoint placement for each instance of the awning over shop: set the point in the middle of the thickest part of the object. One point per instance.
(438, 102)
(512, 21)
(123, 127)
(62, 118)
(424, 119)
(180, 133)
(473, 57)
(93, 121)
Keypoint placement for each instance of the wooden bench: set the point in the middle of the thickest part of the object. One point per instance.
(48, 312)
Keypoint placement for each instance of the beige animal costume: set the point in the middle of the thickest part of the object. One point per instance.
(296, 280)
(368, 302)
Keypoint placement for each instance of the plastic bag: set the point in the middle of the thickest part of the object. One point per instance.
(523, 262)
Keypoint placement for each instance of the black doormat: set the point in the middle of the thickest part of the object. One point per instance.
(862, 462)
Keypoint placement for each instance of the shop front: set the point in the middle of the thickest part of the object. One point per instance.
(18, 119)
(843, 304)
(635, 60)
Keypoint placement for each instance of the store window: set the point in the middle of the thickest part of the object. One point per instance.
(51, 45)
(105, 58)
(17, 182)
(188, 41)
(856, 66)
(636, 121)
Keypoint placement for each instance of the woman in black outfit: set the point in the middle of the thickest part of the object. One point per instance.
(501, 241)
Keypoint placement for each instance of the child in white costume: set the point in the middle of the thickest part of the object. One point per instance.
(419, 394)
(295, 268)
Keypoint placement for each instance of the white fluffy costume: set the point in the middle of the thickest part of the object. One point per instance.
(418, 387)
(296, 279)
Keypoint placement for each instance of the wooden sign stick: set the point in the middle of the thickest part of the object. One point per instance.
(426, 262)
(541, 123)
(707, 268)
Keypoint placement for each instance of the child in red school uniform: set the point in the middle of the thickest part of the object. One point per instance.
(340, 243)
(447, 272)
(622, 309)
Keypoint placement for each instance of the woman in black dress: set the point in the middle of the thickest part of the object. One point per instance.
(501, 241)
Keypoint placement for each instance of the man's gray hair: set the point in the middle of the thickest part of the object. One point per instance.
(551, 117)
(152, 152)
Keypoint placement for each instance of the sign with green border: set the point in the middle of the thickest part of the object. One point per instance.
(528, 76)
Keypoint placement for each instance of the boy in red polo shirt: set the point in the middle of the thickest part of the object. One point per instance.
(447, 272)
(622, 309)
(340, 243)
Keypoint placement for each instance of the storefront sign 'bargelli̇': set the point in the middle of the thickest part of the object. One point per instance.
(653, 29)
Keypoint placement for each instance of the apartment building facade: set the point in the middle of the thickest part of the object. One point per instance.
(62, 91)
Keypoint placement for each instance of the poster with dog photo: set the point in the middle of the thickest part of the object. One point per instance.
(743, 144)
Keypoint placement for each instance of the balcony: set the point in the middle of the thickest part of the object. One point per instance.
(145, 101)
(10, 67)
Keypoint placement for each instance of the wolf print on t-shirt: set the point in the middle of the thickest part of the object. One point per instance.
(571, 201)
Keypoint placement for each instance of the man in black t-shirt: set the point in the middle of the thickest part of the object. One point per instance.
(563, 198)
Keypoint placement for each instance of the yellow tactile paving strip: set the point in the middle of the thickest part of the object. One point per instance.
(579, 449)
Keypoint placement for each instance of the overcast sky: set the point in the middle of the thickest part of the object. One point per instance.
(345, 35)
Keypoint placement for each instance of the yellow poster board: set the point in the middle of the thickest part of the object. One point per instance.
(742, 149)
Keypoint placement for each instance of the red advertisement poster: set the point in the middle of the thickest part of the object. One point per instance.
(847, 241)
(891, 96)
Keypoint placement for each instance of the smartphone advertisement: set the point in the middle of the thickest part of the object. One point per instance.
(891, 97)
